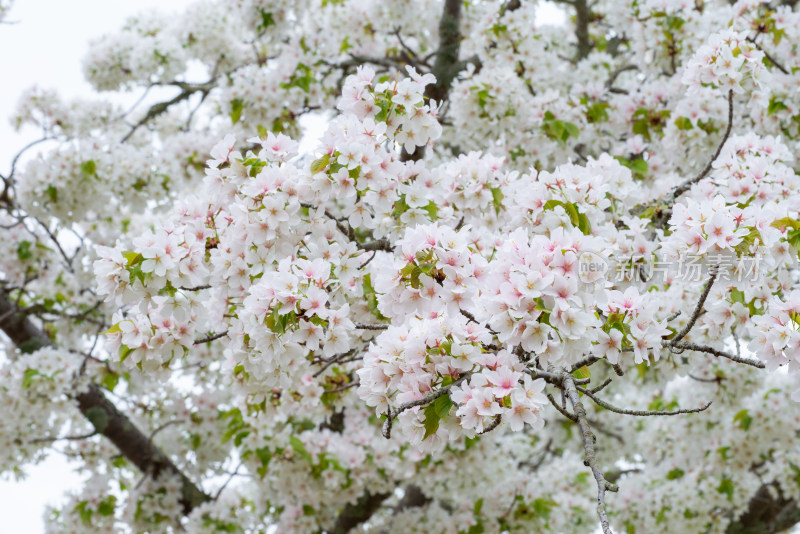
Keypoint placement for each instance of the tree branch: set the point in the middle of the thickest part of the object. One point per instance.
(446, 66)
(104, 416)
(603, 485)
(582, 17)
(427, 399)
(697, 309)
(714, 352)
(639, 413)
(685, 186)
(354, 514)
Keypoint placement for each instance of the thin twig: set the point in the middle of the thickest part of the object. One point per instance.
(494, 424)
(222, 488)
(586, 362)
(344, 387)
(602, 386)
(552, 378)
(25, 149)
(614, 75)
(768, 56)
(682, 188)
(710, 350)
(427, 399)
(698, 308)
(362, 326)
(165, 425)
(372, 257)
(638, 413)
(195, 288)
(60, 438)
(561, 410)
(377, 244)
(211, 338)
(715, 380)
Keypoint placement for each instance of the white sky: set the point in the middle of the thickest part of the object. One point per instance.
(44, 46)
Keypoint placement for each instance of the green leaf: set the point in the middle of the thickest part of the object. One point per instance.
(132, 258)
(726, 487)
(642, 127)
(743, 418)
(639, 167)
(785, 222)
(300, 449)
(432, 210)
(583, 224)
(110, 381)
(265, 456)
(24, 250)
(124, 352)
(550, 204)
(793, 238)
(497, 198)
(345, 45)
(371, 297)
(434, 412)
(302, 77)
(107, 505)
(582, 372)
(684, 123)
(400, 206)
(737, 295)
(84, 512)
(775, 106)
(675, 474)
(52, 193)
(597, 112)
(572, 130)
(27, 378)
(675, 23)
(748, 240)
(237, 105)
(319, 165)
(267, 19)
(88, 168)
(543, 507)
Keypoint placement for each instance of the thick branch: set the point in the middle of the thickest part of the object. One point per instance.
(354, 514)
(446, 66)
(582, 18)
(134, 445)
(104, 416)
(767, 514)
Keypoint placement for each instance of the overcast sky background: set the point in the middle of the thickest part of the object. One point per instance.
(44, 45)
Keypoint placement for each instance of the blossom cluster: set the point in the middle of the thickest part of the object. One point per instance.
(406, 363)
(777, 337)
(728, 61)
(711, 227)
(752, 170)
